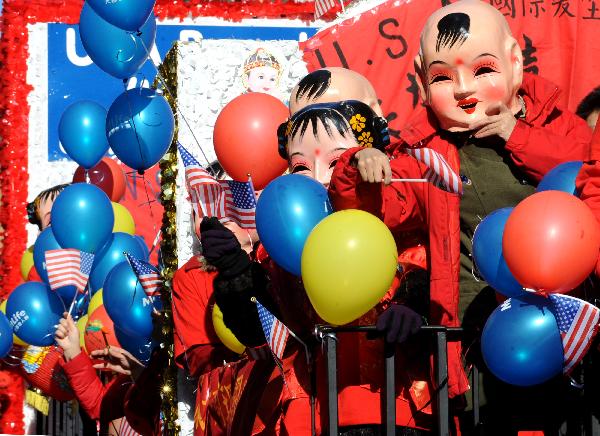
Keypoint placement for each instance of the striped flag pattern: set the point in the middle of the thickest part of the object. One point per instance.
(125, 429)
(148, 276)
(240, 202)
(322, 6)
(276, 332)
(68, 267)
(578, 324)
(438, 172)
(203, 188)
(228, 200)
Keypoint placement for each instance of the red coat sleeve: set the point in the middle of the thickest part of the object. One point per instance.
(537, 149)
(588, 181)
(104, 402)
(197, 347)
(400, 205)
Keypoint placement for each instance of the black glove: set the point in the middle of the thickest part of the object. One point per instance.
(221, 248)
(398, 322)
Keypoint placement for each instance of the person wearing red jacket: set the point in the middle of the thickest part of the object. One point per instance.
(312, 140)
(484, 119)
(119, 399)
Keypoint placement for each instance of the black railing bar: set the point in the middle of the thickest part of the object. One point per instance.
(372, 328)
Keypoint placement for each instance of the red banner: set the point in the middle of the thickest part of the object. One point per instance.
(557, 38)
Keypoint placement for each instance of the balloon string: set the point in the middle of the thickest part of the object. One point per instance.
(179, 112)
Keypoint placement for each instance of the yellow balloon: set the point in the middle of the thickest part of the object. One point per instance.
(123, 219)
(225, 335)
(16, 339)
(81, 323)
(26, 262)
(96, 301)
(348, 264)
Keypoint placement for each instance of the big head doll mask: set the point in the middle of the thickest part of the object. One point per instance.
(468, 62)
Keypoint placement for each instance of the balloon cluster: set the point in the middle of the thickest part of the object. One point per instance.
(83, 218)
(549, 243)
(347, 259)
(139, 125)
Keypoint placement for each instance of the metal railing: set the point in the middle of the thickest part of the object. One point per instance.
(328, 335)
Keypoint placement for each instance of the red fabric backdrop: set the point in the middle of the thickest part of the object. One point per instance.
(558, 38)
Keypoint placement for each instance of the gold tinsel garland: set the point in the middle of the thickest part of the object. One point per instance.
(167, 80)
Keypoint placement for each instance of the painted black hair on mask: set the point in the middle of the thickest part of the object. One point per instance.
(314, 84)
(348, 116)
(452, 29)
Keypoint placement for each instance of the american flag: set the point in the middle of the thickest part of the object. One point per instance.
(322, 6)
(148, 276)
(125, 429)
(228, 200)
(438, 172)
(275, 331)
(68, 267)
(578, 324)
(240, 203)
(204, 189)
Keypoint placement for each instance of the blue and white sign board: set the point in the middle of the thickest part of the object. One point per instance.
(61, 73)
(72, 76)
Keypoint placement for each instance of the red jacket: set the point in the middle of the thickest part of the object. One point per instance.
(546, 137)
(588, 180)
(197, 347)
(101, 402)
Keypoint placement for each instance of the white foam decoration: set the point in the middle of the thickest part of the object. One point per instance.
(209, 76)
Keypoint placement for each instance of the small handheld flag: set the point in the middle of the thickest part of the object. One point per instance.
(578, 324)
(68, 267)
(275, 331)
(148, 276)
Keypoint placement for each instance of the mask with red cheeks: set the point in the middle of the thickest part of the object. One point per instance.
(315, 137)
(315, 156)
(468, 63)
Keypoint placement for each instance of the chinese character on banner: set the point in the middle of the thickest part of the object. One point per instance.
(594, 13)
(529, 60)
(507, 7)
(535, 6)
(562, 8)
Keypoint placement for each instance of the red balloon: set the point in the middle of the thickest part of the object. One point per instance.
(245, 138)
(106, 175)
(551, 242)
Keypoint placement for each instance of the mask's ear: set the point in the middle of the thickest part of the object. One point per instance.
(516, 63)
(420, 77)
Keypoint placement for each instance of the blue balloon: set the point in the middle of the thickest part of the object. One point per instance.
(287, 211)
(111, 255)
(140, 346)
(521, 343)
(116, 51)
(125, 14)
(126, 302)
(139, 127)
(82, 133)
(143, 245)
(561, 178)
(33, 311)
(6, 336)
(82, 217)
(80, 307)
(487, 254)
(44, 242)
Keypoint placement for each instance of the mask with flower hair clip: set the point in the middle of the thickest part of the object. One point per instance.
(368, 129)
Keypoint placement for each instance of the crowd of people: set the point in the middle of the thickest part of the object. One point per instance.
(500, 130)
